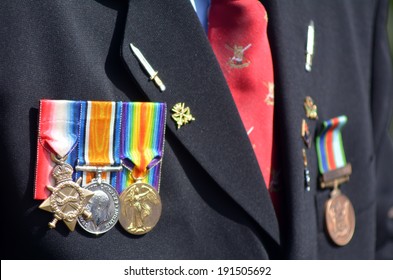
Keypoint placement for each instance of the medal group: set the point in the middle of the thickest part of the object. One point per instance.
(332, 164)
(334, 171)
(100, 162)
(115, 149)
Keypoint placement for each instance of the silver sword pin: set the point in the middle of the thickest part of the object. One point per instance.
(149, 69)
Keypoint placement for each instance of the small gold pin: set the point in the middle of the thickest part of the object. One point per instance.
(181, 115)
(306, 134)
(310, 108)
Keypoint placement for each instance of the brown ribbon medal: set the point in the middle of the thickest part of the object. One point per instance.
(339, 212)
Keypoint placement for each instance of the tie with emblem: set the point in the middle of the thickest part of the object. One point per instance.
(237, 31)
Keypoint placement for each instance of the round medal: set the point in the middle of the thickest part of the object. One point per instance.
(104, 207)
(340, 219)
(141, 207)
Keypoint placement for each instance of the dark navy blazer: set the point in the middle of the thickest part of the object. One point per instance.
(215, 202)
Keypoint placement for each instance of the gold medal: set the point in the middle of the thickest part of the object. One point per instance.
(340, 218)
(141, 155)
(140, 208)
(68, 199)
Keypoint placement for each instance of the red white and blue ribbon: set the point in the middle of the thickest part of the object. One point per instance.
(58, 134)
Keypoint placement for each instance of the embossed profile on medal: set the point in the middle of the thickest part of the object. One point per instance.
(102, 209)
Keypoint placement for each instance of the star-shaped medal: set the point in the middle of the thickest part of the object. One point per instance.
(68, 199)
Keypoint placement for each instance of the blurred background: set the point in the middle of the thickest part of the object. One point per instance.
(390, 31)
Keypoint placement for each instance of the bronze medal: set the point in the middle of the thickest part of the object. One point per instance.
(335, 171)
(68, 200)
(340, 219)
(140, 208)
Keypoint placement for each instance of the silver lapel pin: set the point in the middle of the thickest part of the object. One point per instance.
(149, 69)
(310, 46)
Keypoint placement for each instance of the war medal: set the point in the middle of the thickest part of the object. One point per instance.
(142, 143)
(68, 200)
(140, 208)
(99, 160)
(339, 212)
(340, 218)
(57, 139)
(104, 205)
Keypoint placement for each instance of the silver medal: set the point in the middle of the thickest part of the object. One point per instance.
(104, 205)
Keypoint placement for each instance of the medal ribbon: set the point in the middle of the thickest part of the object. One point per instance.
(100, 137)
(329, 145)
(142, 142)
(58, 134)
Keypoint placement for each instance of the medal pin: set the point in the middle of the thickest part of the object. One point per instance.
(104, 205)
(68, 199)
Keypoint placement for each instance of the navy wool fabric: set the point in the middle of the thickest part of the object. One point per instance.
(215, 202)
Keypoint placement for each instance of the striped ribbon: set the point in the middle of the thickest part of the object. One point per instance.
(58, 134)
(100, 137)
(104, 133)
(329, 144)
(142, 142)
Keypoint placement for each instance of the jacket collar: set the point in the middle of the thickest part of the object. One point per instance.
(171, 38)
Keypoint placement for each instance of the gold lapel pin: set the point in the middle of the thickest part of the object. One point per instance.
(310, 108)
(181, 114)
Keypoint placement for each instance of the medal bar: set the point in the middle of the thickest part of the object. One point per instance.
(336, 177)
(334, 169)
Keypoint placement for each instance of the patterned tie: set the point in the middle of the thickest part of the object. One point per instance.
(237, 33)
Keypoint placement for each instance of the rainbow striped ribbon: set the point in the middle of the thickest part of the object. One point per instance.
(142, 143)
(100, 137)
(58, 134)
(329, 144)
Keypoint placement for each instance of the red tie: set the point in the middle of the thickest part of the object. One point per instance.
(237, 33)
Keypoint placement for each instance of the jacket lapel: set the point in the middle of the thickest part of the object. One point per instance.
(171, 38)
(288, 23)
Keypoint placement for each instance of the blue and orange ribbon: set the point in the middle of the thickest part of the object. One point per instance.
(100, 137)
(142, 142)
(329, 144)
